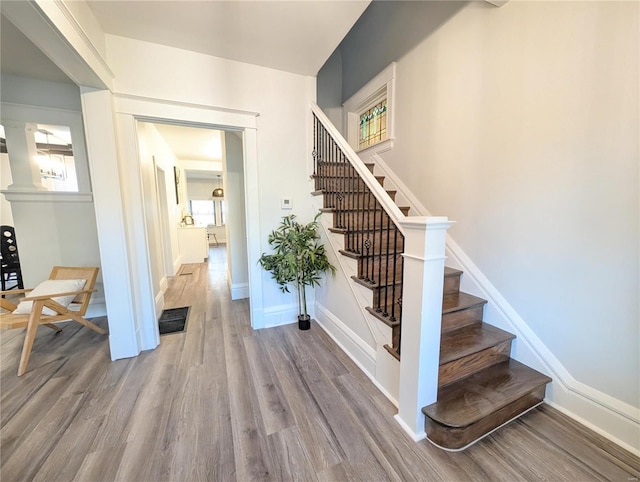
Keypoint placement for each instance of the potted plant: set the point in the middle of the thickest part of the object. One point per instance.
(298, 259)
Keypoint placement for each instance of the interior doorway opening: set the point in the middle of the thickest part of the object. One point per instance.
(181, 166)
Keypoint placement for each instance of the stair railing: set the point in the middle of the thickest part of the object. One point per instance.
(422, 262)
(361, 207)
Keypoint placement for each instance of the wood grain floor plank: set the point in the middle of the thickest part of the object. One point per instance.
(290, 460)
(318, 437)
(221, 402)
(274, 409)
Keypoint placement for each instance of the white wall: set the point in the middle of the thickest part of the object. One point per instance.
(524, 120)
(154, 154)
(238, 269)
(201, 188)
(281, 100)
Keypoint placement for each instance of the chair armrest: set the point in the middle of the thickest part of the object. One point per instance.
(7, 305)
(56, 295)
(15, 292)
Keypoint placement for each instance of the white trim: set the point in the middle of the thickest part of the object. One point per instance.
(127, 109)
(159, 301)
(47, 196)
(416, 437)
(280, 315)
(85, 39)
(355, 105)
(160, 110)
(54, 30)
(378, 148)
(239, 291)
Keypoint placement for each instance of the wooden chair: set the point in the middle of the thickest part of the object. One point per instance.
(76, 310)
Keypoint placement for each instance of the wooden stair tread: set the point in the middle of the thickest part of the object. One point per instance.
(471, 399)
(461, 301)
(382, 318)
(375, 254)
(470, 339)
(374, 285)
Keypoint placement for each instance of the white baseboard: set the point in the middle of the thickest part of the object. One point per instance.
(416, 437)
(239, 291)
(280, 315)
(159, 302)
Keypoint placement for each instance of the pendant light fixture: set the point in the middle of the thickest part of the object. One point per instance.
(218, 192)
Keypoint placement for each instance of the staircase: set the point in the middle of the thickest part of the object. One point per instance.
(370, 237)
(480, 387)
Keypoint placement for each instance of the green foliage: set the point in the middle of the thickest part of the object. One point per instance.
(298, 259)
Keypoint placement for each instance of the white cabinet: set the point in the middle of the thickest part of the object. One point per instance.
(193, 244)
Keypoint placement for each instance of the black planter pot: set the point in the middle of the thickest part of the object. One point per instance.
(304, 322)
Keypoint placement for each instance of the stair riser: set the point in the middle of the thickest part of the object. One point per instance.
(452, 284)
(457, 438)
(458, 319)
(379, 241)
(465, 366)
(337, 184)
(339, 169)
(386, 298)
(381, 270)
(352, 200)
(361, 220)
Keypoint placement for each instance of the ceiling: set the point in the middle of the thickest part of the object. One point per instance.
(294, 36)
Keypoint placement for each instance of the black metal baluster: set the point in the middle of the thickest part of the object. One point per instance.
(377, 279)
(355, 202)
(393, 287)
(386, 288)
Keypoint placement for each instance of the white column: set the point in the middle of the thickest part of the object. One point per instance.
(21, 148)
(421, 319)
(110, 219)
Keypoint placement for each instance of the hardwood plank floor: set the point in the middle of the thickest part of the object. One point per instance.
(221, 402)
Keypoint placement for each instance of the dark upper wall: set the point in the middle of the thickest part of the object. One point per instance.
(385, 32)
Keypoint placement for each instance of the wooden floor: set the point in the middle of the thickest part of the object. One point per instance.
(223, 403)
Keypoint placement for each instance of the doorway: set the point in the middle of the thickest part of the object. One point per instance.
(209, 186)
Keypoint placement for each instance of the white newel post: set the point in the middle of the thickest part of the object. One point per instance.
(424, 258)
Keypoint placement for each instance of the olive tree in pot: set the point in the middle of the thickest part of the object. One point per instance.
(298, 259)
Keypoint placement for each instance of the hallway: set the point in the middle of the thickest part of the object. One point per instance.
(222, 402)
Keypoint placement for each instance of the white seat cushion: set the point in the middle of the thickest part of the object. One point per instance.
(51, 287)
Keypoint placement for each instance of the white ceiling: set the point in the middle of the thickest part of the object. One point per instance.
(198, 149)
(294, 36)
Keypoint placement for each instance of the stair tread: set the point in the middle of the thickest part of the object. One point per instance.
(470, 339)
(376, 254)
(374, 285)
(382, 318)
(460, 301)
(471, 399)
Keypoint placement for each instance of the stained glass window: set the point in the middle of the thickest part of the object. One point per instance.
(373, 125)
